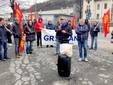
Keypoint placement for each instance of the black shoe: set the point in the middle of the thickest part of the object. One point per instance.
(56, 54)
(51, 46)
(47, 46)
(27, 52)
(112, 52)
(2, 59)
(7, 58)
(30, 52)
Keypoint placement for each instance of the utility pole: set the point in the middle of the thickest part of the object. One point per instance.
(80, 8)
(12, 6)
(35, 9)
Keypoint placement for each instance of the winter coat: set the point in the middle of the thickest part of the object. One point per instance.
(82, 32)
(63, 37)
(94, 33)
(50, 27)
(39, 25)
(16, 30)
(3, 36)
(30, 33)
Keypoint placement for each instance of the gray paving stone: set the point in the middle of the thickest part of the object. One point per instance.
(103, 75)
(17, 76)
(19, 82)
(60, 83)
(19, 71)
(25, 79)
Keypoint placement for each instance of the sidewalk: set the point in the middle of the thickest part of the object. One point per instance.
(40, 68)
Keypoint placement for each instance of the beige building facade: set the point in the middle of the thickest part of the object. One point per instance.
(97, 8)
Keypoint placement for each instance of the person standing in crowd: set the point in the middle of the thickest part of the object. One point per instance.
(34, 22)
(82, 31)
(30, 36)
(9, 34)
(50, 26)
(94, 35)
(88, 25)
(3, 40)
(63, 31)
(17, 37)
(69, 23)
(39, 26)
(57, 38)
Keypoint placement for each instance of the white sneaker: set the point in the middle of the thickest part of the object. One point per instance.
(80, 59)
(86, 59)
(9, 44)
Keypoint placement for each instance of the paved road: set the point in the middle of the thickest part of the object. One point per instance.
(40, 68)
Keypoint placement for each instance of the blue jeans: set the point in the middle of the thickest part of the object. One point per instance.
(57, 46)
(4, 44)
(82, 44)
(92, 43)
(29, 46)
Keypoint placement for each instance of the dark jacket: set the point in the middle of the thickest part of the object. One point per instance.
(50, 27)
(88, 25)
(8, 27)
(16, 30)
(94, 33)
(30, 33)
(3, 36)
(56, 30)
(82, 32)
(63, 37)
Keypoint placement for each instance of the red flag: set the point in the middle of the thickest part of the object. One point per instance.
(74, 21)
(19, 15)
(106, 23)
(30, 10)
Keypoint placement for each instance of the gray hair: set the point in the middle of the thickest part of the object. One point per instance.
(81, 20)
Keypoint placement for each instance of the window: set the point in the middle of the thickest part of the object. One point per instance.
(97, 16)
(105, 6)
(98, 6)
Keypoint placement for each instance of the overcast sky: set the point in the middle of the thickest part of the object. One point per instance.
(38, 1)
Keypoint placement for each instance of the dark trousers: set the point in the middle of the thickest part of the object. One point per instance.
(39, 39)
(4, 45)
(17, 45)
(9, 38)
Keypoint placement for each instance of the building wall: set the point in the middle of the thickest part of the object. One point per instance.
(94, 5)
(46, 18)
(67, 11)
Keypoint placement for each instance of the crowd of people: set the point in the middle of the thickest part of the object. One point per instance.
(63, 30)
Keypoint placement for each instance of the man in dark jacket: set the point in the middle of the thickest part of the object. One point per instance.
(3, 40)
(17, 37)
(94, 34)
(63, 32)
(82, 32)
